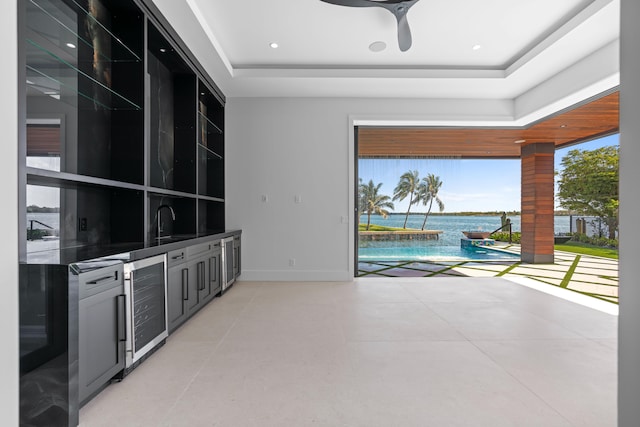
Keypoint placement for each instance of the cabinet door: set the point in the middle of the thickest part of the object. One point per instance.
(213, 284)
(198, 278)
(177, 294)
(204, 288)
(101, 340)
(216, 272)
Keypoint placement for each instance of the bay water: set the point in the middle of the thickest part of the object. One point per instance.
(452, 226)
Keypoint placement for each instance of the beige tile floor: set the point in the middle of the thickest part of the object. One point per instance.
(442, 352)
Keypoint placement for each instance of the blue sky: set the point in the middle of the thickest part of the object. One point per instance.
(467, 185)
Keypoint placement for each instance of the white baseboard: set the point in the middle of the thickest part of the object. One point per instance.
(295, 276)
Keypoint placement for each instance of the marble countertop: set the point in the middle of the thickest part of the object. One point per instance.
(122, 252)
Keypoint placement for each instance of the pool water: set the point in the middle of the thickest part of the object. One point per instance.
(392, 251)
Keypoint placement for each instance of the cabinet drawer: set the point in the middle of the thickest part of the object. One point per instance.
(100, 280)
(176, 257)
(200, 249)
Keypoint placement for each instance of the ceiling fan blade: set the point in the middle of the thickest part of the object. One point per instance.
(352, 3)
(398, 8)
(404, 33)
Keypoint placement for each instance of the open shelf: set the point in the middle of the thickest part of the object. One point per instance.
(210, 173)
(211, 127)
(86, 59)
(210, 144)
(210, 216)
(68, 26)
(53, 76)
(172, 86)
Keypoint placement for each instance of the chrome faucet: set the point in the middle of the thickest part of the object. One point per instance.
(159, 217)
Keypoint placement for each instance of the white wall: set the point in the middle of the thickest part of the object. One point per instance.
(629, 321)
(9, 216)
(287, 147)
(589, 77)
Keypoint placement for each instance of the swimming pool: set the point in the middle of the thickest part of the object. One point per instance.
(410, 251)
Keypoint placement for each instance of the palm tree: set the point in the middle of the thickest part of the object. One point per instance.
(407, 186)
(429, 192)
(372, 202)
(362, 198)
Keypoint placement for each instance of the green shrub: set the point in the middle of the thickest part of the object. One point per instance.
(504, 237)
(36, 234)
(595, 241)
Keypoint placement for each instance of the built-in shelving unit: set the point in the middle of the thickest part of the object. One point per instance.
(120, 120)
(123, 141)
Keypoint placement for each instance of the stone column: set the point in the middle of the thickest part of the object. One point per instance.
(537, 204)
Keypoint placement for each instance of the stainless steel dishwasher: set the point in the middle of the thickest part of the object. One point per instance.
(145, 287)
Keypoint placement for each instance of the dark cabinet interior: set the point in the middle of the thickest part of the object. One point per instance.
(210, 144)
(210, 214)
(182, 208)
(119, 121)
(84, 74)
(173, 116)
(89, 215)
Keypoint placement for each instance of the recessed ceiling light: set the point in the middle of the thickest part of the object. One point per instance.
(519, 141)
(71, 45)
(377, 46)
(476, 47)
(273, 45)
(163, 50)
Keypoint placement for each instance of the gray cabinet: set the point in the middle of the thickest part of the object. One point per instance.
(209, 279)
(194, 279)
(177, 292)
(198, 277)
(101, 329)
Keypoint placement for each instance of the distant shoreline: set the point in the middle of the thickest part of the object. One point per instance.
(513, 213)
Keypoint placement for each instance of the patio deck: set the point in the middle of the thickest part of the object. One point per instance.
(589, 275)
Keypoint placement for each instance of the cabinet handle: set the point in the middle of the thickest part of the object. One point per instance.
(103, 279)
(176, 257)
(201, 278)
(185, 286)
(198, 277)
(121, 323)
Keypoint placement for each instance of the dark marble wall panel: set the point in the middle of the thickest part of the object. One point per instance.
(161, 124)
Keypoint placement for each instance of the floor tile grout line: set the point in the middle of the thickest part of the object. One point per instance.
(518, 380)
(213, 351)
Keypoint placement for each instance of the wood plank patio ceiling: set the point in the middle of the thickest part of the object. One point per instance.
(588, 121)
